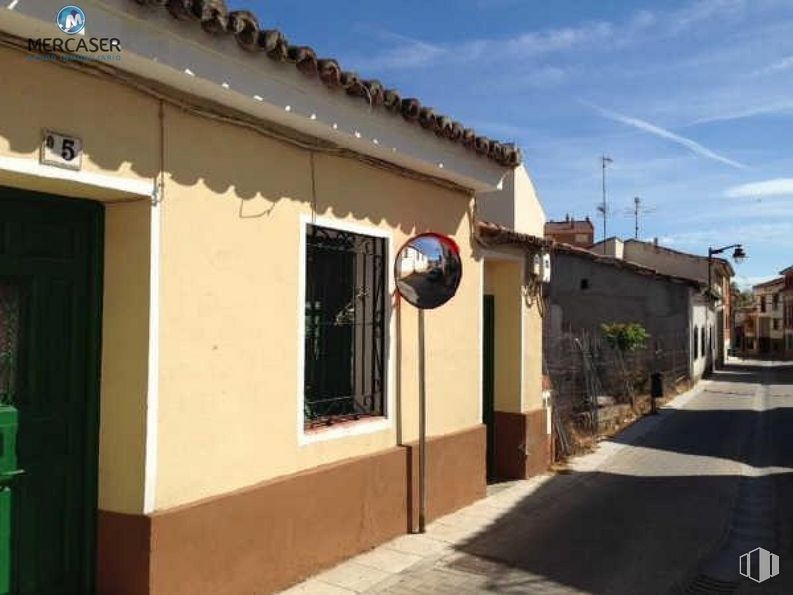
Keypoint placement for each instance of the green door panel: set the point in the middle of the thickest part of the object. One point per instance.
(5, 540)
(50, 264)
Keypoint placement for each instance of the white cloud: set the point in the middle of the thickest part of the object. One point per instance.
(778, 235)
(408, 53)
(775, 187)
(650, 128)
(405, 52)
(541, 42)
(703, 10)
(779, 66)
(784, 107)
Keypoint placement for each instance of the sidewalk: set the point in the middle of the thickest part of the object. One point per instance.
(434, 563)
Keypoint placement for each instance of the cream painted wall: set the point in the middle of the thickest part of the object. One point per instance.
(530, 219)
(532, 357)
(503, 280)
(515, 206)
(125, 345)
(529, 214)
(229, 311)
(47, 95)
(229, 273)
(518, 207)
(113, 145)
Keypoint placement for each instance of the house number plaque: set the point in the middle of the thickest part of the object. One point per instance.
(61, 150)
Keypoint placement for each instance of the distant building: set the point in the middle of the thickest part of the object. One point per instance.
(589, 289)
(412, 261)
(787, 308)
(579, 233)
(690, 266)
(767, 325)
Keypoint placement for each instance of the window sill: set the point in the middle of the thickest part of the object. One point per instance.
(344, 429)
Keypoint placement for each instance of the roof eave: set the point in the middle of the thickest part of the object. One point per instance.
(162, 49)
(620, 263)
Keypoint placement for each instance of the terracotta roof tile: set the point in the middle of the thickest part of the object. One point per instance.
(771, 283)
(215, 18)
(569, 226)
(496, 234)
(623, 264)
(717, 259)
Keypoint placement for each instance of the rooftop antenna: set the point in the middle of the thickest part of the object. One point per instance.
(603, 207)
(638, 209)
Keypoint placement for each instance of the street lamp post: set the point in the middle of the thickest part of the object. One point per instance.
(738, 255)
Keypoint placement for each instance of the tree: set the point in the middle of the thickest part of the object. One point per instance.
(743, 299)
(625, 336)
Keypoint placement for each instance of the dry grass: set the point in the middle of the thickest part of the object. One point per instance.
(583, 440)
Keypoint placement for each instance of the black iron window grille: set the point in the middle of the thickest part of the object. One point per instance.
(345, 317)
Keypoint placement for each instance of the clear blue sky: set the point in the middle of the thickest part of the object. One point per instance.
(692, 99)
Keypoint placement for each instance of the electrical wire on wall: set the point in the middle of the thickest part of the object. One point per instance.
(159, 193)
(313, 188)
(212, 111)
(532, 286)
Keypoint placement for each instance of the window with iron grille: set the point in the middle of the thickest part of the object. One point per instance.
(345, 315)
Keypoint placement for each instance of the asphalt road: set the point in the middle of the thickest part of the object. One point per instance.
(669, 512)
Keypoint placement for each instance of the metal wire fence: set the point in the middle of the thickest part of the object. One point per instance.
(593, 381)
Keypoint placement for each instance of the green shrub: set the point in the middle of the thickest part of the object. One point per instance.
(625, 336)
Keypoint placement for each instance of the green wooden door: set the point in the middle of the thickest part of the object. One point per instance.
(488, 378)
(49, 322)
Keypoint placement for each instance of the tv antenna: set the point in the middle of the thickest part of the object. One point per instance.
(638, 209)
(603, 208)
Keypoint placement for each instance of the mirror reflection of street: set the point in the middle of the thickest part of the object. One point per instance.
(425, 290)
(428, 271)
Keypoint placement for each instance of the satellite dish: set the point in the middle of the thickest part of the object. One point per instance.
(428, 270)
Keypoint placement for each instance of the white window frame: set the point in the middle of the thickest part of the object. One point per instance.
(361, 426)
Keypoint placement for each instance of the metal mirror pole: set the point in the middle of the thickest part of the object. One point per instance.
(422, 430)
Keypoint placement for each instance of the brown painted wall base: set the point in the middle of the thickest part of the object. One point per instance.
(269, 536)
(122, 553)
(523, 447)
(456, 473)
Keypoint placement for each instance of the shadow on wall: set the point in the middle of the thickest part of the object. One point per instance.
(120, 129)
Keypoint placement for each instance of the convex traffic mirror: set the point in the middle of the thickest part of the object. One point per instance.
(428, 270)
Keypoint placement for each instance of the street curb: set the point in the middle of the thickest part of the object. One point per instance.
(607, 449)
